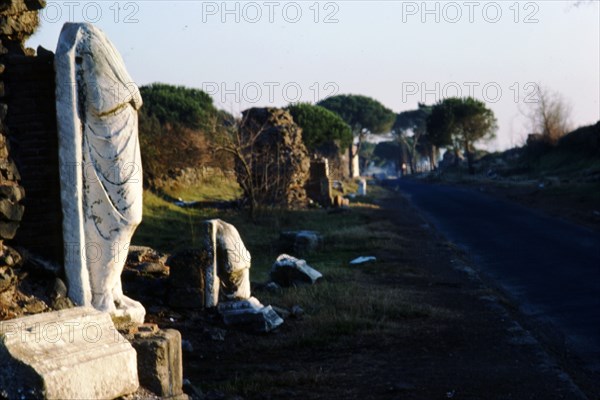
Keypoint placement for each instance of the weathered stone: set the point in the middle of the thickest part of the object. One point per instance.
(249, 314)
(232, 259)
(8, 230)
(9, 168)
(62, 303)
(12, 7)
(290, 271)
(9, 256)
(218, 270)
(153, 268)
(279, 159)
(7, 260)
(19, 26)
(146, 329)
(297, 311)
(300, 242)
(12, 192)
(187, 280)
(340, 202)
(362, 260)
(160, 363)
(100, 167)
(11, 211)
(318, 186)
(69, 354)
(138, 254)
(7, 278)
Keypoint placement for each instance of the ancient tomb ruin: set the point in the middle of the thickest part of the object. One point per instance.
(276, 160)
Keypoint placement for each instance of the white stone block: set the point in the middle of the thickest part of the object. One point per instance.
(70, 354)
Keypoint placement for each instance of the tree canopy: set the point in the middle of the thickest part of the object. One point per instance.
(460, 122)
(414, 121)
(176, 130)
(361, 113)
(390, 151)
(364, 115)
(320, 126)
(170, 104)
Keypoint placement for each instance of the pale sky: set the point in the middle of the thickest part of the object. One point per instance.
(270, 53)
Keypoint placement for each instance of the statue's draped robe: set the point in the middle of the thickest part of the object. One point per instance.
(100, 165)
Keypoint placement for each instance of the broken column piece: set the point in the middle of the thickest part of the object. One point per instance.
(290, 271)
(160, 362)
(218, 270)
(250, 314)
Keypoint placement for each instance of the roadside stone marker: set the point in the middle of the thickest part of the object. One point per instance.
(70, 354)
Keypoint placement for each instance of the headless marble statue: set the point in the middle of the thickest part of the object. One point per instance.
(100, 167)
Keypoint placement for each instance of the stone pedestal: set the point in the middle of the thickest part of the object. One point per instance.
(70, 354)
(160, 363)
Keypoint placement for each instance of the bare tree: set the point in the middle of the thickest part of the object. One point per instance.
(231, 140)
(549, 115)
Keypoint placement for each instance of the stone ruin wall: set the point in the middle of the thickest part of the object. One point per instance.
(279, 180)
(30, 209)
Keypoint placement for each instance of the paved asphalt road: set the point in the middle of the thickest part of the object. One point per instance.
(550, 267)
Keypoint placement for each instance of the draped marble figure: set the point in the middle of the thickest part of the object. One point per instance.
(100, 167)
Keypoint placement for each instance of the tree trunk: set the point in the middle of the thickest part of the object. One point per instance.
(413, 155)
(432, 157)
(469, 158)
(351, 160)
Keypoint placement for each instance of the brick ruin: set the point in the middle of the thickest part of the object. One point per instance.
(318, 186)
(29, 182)
(276, 156)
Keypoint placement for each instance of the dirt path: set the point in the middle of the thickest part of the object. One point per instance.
(470, 344)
